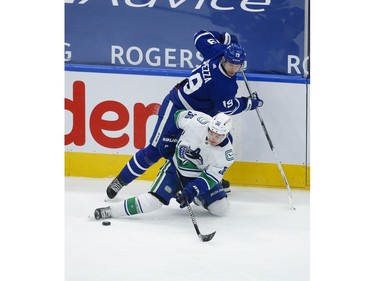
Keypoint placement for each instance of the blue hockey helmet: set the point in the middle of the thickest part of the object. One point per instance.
(234, 54)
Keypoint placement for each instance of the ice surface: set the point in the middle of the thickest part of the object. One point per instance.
(261, 239)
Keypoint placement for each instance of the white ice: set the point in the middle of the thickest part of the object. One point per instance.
(261, 239)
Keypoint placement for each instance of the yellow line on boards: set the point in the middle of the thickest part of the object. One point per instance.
(95, 165)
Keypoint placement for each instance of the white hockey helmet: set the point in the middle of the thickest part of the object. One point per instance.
(221, 124)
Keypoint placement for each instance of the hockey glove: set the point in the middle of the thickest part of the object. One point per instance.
(227, 38)
(187, 195)
(254, 101)
(180, 200)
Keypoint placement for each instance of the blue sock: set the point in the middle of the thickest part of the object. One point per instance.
(139, 163)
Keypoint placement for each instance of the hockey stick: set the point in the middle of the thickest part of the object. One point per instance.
(202, 237)
(270, 144)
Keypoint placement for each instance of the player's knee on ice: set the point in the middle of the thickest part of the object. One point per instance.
(220, 207)
(215, 200)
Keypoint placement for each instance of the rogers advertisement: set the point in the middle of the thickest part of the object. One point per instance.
(159, 33)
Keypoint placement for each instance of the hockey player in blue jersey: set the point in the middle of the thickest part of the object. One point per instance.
(211, 88)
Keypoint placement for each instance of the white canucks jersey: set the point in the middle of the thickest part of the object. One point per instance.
(194, 157)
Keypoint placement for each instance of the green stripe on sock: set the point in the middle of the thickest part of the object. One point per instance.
(132, 206)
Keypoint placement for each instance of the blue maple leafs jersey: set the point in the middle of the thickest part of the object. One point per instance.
(209, 89)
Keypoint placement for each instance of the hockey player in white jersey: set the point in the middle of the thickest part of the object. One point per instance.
(203, 153)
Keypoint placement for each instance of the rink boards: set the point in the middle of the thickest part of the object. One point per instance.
(109, 115)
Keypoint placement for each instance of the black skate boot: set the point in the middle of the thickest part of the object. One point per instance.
(226, 185)
(114, 187)
(103, 213)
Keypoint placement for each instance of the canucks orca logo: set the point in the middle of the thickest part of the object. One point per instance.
(187, 153)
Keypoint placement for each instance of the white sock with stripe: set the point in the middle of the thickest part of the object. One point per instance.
(143, 203)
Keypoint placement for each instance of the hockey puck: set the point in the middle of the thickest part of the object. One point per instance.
(106, 223)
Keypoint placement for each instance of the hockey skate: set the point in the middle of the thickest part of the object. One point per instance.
(226, 185)
(103, 213)
(114, 187)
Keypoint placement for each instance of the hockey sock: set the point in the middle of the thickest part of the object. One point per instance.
(139, 163)
(143, 203)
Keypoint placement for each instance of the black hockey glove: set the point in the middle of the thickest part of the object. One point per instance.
(180, 200)
(254, 101)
